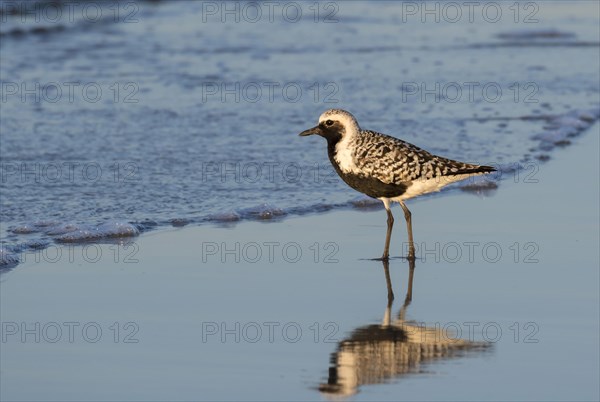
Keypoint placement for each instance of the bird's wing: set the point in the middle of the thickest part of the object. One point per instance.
(394, 161)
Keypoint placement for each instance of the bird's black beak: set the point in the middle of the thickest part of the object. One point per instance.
(311, 131)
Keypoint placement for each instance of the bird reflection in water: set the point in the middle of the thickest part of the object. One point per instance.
(375, 354)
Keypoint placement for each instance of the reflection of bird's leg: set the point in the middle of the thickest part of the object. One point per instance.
(411, 244)
(408, 298)
(388, 280)
(411, 273)
(390, 224)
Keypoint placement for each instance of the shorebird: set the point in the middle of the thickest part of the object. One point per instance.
(385, 167)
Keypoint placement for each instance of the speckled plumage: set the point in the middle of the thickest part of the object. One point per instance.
(395, 161)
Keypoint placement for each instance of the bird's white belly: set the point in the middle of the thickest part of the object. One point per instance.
(420, 187)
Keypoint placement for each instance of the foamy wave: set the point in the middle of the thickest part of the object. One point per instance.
(75, 232)
(365, 202)
(480, 185)
(563, 127)
(262, 212)
(8, 259)
(84, 233)
(230, 216)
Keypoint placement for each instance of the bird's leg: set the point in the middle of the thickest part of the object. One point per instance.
(411, 244)
(388, 236)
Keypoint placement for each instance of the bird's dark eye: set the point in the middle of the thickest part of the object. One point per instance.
(329, 123)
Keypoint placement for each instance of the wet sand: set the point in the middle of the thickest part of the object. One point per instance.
(255, 310)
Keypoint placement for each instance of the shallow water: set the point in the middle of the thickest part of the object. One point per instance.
(195, 313)
(161, 113)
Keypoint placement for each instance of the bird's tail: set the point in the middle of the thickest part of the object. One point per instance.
(475, 169)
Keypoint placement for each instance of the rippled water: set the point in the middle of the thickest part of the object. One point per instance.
(165, 113)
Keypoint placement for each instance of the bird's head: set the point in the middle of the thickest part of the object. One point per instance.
(334, 124)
